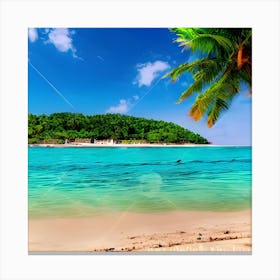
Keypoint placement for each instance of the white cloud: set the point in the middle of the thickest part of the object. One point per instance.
(135, 97)
(147, 72)
(62, 40)
(121, 108)
(32, 34)
(100, 57)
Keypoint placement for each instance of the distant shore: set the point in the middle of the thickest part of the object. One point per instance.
(177, 231)
(92, 145)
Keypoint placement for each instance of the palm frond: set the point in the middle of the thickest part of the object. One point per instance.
(196, 39)
(193, 67)
(246, 74)
(187, 33)
(195, 87)
(201, 79)
(200, 106)
(220, 103)
(211, 43)
(227, 62)
(219, 92)
(176, 72)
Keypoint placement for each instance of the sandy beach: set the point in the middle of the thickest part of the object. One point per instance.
(177, 231)
(91, 145)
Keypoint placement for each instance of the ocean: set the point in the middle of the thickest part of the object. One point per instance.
(83, 182)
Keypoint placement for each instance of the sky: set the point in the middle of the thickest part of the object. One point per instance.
(119, 70)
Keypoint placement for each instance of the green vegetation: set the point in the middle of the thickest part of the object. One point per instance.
(55, 128)
(225, 62)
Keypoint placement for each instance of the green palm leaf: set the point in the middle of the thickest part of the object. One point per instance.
(227, 62)
(197, 65)
(208, 43)
(216, 98)
(221, 103)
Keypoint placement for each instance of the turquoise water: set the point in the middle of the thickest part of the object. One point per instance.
(89, 181)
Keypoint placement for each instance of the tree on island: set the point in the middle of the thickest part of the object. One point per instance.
(121, 128)
(225, 62)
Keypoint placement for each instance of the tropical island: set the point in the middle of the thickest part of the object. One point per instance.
(152, 198)
(61, 128)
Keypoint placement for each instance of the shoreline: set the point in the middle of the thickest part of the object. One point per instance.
(177, 231)
(91, 145)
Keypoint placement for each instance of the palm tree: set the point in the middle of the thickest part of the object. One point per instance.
(224, 63)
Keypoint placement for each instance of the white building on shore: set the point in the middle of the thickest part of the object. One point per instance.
(104, 141)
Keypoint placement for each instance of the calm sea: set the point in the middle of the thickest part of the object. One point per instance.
(79, 182)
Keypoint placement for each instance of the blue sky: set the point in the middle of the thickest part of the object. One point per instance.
(114, 70)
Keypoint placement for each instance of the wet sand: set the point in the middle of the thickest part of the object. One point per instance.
(178, 231)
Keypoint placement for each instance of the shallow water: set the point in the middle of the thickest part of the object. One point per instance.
(81, 182)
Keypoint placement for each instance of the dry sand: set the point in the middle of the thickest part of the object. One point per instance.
(176, 231)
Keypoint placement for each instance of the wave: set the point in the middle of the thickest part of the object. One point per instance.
(221, 161)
